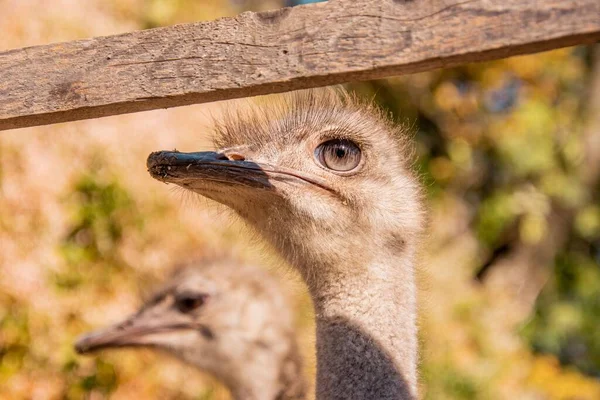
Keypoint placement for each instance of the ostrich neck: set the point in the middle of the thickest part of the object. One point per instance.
(366, 329)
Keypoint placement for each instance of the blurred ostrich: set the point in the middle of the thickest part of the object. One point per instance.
(227, 319)
(327, 181)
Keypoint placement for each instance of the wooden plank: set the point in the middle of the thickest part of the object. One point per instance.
(292, 48)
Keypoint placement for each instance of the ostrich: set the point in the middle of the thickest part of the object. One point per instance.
(230, 320)
(327, 181)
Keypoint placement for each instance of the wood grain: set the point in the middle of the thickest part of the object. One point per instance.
(292, 48)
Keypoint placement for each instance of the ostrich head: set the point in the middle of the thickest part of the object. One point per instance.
(317, 173)
(228, 319)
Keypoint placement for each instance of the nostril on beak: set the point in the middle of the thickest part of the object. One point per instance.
(236, 157)
(232, 156)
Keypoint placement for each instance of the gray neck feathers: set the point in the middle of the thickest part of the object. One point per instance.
(366, 330)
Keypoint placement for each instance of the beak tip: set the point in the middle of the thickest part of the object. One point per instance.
(86, 343)
(80, 346)
(156, 164)
(154, 158)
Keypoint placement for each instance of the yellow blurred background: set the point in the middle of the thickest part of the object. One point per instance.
(85, 232)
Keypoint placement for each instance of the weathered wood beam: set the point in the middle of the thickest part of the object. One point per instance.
(292, 48)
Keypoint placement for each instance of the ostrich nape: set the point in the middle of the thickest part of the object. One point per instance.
(327, 180)
(225, 318)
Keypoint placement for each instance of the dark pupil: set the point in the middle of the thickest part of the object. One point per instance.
(340, 152)
(187, 304)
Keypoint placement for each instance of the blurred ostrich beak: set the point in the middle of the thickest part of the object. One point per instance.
(139, 330)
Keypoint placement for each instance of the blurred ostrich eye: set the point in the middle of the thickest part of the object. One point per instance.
(189, 302)
(338, 155)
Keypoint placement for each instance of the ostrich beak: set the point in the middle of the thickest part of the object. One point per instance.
(194, 170)
(203, 170)
(144, 329)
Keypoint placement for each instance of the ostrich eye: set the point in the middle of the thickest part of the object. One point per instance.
(338, 155)
(189, 302)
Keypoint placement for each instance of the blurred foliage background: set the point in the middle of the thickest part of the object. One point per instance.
(510, 154)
